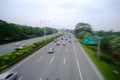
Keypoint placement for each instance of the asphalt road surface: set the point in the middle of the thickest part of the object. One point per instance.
(69, 62)
(11, 46)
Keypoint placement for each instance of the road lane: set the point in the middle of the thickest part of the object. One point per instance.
(86, 66)
(11, 46)
(67, 63)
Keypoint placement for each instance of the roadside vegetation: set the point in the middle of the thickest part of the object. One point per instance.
(10, 32)
(14, 57)
(109, 58)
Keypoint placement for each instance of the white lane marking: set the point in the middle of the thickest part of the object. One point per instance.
(20, 78)
(40, 78)
(52, 60)
(80, 74)
(39, 59)
(66, 50)
(64, 60)
(57, 49)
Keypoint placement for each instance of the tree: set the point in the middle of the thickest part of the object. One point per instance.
(11, 31)
(82, 29)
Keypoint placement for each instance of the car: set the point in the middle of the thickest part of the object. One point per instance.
(75, 41)
(66, 39)
(18, 44)
(22, 45)
(61, 38)
(19, 47)
(9, 76)
(63, 44)
(70, 41)
(51, 50)
(57, 43)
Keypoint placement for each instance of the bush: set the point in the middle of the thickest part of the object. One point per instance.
(106, 58)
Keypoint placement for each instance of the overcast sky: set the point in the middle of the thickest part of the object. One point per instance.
(100, 14)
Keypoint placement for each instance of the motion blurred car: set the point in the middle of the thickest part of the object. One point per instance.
(66, 39)
(18, 44)
(61, 38)
(21, 46)
(18, 48)
(51, 50)
(55, 40)
(9, 76)
(57, 43)
(75, 41)
(63, 44)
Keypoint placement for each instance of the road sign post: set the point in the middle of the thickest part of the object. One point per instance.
(92, 40)
(98, 48)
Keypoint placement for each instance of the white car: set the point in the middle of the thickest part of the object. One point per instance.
(19, 47)
(18, 44)
(63, 44)
(51, 50)
(9, 76)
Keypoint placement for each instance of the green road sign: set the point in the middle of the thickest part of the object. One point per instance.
(90, 40)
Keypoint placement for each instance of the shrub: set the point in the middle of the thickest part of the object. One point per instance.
(106, 58)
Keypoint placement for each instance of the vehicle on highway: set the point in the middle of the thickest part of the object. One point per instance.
(9, 76)
(57, 43)
(75, 41)
(55, 40)
(18, 44)
(61, 38)
(21, 46)
(51, 50)
(63, 44)
(18, 48)
(70, 41)
(66, 39)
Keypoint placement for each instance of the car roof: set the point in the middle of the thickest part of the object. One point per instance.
(4, 75)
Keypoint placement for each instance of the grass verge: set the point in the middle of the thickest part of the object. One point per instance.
(108, 70)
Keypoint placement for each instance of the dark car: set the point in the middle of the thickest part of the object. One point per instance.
(57, 43)
(70, 41)
(61, 38)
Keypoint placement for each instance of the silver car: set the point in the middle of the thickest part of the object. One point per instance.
(51, 50)
(9, 76)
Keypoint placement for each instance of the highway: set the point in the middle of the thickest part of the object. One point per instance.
(69, 62)
(11, 46)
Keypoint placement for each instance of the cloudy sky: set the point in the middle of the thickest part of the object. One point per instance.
(100, 14)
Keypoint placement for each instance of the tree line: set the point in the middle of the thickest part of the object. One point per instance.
(110, 40)
(13, 32)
